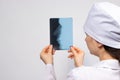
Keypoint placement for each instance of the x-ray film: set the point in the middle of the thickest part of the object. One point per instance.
(61, 33)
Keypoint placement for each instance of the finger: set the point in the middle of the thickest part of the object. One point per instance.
(73, 50)
(71, 56)
(50, 49)
(77, 49)
(54, 51)
(44, 49)
(69, 51)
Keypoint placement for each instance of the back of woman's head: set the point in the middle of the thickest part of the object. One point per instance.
(115, 53)
(103, 25)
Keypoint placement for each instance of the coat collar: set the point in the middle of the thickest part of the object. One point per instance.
(110, 64)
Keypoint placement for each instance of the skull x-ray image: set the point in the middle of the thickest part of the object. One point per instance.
(61, 33)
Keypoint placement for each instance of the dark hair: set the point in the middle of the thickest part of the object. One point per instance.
(115, 53)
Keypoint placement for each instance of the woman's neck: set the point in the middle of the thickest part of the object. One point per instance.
(105, 56)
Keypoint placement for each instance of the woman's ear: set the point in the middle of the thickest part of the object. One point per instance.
(99, 44)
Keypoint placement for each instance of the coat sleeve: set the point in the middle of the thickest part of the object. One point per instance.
(50, 72)
(76, 74)
(70, 76)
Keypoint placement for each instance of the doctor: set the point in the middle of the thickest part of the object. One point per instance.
(102, 30)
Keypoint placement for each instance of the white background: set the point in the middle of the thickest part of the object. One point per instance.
(24, 31)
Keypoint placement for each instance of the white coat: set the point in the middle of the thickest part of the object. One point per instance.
(104, 70)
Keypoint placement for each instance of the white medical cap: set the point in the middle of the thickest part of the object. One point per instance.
(103, 24)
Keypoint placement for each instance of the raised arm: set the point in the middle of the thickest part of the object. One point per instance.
(46, 56)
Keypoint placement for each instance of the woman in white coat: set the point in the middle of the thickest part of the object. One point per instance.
(102, 30)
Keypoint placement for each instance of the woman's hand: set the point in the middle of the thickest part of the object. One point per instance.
(47, 54)
(77, 55)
